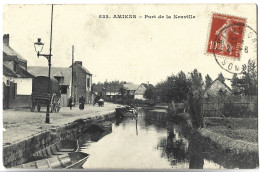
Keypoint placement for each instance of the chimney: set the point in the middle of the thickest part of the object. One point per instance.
(6, 39)
(78, 63)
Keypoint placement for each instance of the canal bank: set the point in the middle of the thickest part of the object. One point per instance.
(237, 149)
(228, 143)
(34, 135)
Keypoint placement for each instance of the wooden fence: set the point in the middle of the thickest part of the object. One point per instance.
(212, 106)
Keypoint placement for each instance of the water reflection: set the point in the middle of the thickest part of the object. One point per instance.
(150, 140)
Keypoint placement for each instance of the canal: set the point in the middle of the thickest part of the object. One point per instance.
(151, 140)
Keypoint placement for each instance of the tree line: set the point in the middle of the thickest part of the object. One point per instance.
(179, 87)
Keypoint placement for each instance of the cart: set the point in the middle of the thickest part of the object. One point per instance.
(42, 94)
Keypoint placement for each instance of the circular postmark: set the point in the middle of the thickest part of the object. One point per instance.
(233, 54)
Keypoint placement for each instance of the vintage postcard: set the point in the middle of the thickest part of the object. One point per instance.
(130, 86)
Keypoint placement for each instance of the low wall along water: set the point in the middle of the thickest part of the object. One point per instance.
(22, 151)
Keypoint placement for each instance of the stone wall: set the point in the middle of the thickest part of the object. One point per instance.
(22, 151)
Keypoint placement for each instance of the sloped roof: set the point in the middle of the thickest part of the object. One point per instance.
(22, 73)
(221, 82)
(213, 82)
(83, 68)
(12, 53)
(147, 85)
(131, 87)
(44, 71)
(9, 72)
(19, 73)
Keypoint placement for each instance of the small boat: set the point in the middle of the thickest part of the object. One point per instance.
(58, 148)
(73, 160)
(131, 110)
(126, 112)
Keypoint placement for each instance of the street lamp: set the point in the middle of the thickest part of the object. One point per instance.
(38, 46)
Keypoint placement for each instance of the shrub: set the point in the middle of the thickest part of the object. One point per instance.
(231, 109)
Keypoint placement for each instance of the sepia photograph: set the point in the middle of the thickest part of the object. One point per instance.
(130, 86)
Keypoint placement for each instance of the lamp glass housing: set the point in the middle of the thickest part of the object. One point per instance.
(38, 46)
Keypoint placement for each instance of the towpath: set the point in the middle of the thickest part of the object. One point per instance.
(20, 123)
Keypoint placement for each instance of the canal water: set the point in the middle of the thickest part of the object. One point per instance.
(151, 140)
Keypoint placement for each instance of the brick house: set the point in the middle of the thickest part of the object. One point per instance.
(82, 82)
(17, 81)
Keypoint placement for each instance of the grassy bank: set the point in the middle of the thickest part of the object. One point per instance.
(249, 135)
(245, 129)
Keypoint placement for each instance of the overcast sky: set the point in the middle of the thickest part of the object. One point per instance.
(135, 50)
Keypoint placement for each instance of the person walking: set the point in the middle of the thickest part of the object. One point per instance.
(70, 103)
(81, 103)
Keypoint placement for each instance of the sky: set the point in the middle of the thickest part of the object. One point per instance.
(134, 50)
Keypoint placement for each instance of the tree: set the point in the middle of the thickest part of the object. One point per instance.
(196, 82)
(122, 91)
(247, 83)
(182, 86)
(149, 93)
(195, 99)
(221, 77)
(175, 87)
(236, 85)
(208, 80)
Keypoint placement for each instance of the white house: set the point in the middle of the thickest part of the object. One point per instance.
(216, 88)
(17, 81)
(140, 91)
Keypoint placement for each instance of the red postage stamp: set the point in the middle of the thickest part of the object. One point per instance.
(226, 35)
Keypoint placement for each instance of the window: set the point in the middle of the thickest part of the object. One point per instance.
(88, 82)
(63, 90)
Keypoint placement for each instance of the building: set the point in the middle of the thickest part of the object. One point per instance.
(130, 89)
(17, 81)
(82, 82)
(79, 85)
(140, 91)
(113, 91)
(217, 88)
(107, 91)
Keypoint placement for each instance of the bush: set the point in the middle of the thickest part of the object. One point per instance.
(231, 109)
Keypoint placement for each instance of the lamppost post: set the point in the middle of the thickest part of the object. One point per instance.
(110, 90)
(38, 48)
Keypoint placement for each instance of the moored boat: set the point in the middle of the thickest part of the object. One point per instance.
(126, 111)
(60, 147)
(73, 160)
